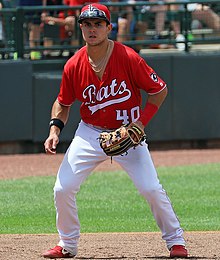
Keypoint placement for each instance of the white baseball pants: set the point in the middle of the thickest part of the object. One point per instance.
(81, 158)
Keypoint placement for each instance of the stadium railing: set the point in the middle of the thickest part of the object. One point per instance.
(14, 42)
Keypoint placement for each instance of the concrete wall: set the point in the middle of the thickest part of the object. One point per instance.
(190, 112)
(16, 104)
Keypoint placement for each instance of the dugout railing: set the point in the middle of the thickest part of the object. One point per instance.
(14, 41)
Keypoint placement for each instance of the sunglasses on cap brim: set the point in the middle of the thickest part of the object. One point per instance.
(88, 14)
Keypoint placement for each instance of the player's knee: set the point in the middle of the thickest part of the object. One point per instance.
(150, 192)
(64, 190)
(146, 192)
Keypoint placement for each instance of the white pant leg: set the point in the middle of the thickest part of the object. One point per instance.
(139, 166)
(83, 155)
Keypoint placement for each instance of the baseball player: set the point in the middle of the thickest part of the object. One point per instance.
(106, 77)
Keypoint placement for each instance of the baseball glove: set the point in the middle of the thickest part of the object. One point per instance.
(118, 142)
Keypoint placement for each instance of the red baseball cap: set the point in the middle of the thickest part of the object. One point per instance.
(92, 11)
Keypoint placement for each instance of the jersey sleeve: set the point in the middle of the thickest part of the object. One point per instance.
(147, 79)
(66, 95)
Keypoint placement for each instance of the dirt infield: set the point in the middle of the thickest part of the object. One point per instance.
(201, 245)
(18, 166)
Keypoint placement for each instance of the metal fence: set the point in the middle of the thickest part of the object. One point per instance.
(23, 32)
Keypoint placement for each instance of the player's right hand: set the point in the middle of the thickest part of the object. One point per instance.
(50, 144)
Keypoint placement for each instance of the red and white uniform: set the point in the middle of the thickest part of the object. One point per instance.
(114, 100)
(108, 103)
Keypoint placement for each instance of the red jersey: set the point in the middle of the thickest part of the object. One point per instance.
(114, 100)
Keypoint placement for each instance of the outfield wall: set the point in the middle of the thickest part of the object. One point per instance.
(190, 112)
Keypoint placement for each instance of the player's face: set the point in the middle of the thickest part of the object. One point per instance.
(95, 31)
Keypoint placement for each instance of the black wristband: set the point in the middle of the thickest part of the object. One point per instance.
(57, 122)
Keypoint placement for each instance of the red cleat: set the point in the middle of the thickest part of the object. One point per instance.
(178, 251)
(57, 252)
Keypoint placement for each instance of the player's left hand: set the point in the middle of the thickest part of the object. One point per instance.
(118, 142)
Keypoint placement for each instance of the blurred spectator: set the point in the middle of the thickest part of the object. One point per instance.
(6, 29)
(1, 27)
(203, 15)
(3, 4)
(160, 18)
(200, 15)
(125, 25)
(53, 24)
(33, 23)
(6, 3)
(71, 18)
(2, 45)
(65, 20)
(54, 18)
(122, 20)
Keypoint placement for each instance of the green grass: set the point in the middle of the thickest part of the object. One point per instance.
(109, 202)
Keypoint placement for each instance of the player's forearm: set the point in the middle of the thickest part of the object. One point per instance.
(59, 111)
(158, 98)
(59, 117)
(152, 106)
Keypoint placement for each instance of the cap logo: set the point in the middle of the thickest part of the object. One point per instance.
(93, 12)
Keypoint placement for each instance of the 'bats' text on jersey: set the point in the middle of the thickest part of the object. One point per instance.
(114, 100)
